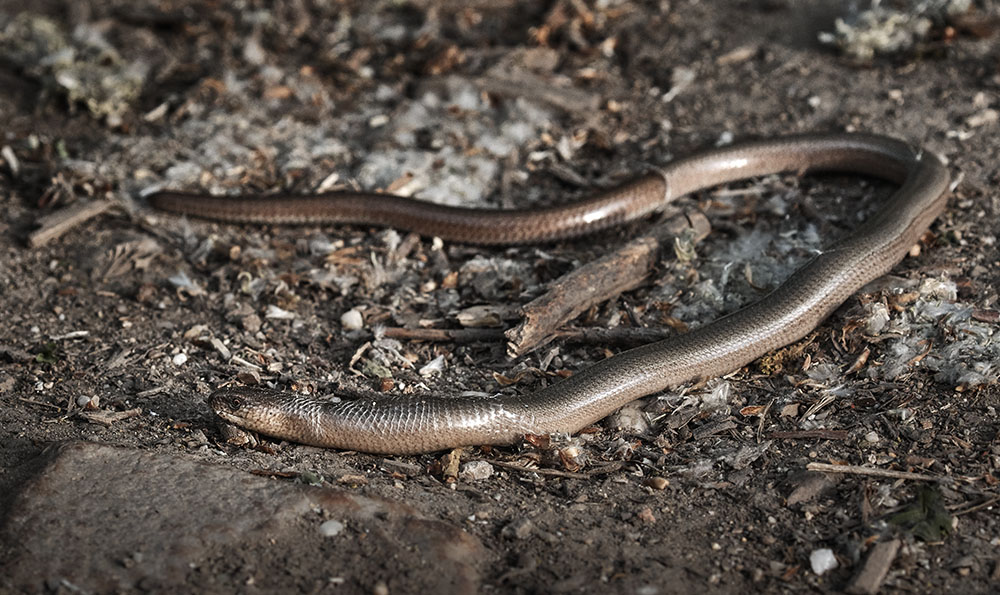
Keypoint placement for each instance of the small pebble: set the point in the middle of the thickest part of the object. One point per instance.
(331, 528)
(274, 312)
(822, 561)
(646, 515)
(475, 470)
(876, 319)
(380, 588)
(630, 418)
(180, 359)
(518, 528)
(219, 346)
(657, 483)
(352, 320)
(251, 323)
(197, 438)
(401, 467)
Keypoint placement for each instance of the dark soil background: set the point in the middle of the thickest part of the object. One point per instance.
(116, 331)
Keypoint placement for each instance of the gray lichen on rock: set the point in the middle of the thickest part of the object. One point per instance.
(886, 30)
(81, 65)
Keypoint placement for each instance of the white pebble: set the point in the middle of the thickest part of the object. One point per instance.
(872, 437)
(274, 312)
(88, 402)
(352, 320)
(876, 318)
(630, 418)
(331, 528)
(822, 561)
(180, 359)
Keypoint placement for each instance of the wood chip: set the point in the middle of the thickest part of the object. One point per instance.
(738, 55)
(598, 281)
(526, 85)
(808, 434)
(106, 418)
(858, 470)
(986, 315)
(876, 567)
(809, 485)
(58, 223)
(450, 464)
(713, 428)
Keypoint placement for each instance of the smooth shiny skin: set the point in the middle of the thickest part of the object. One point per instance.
(401, 425)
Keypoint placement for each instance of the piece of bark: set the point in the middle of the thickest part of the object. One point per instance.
(532, 86)
(819, 433)
(59, 222)
(868, 580)
(598, 281)
(809, 485)
(873, 472)
(458, 335)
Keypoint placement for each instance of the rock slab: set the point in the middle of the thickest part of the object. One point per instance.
(105, 519)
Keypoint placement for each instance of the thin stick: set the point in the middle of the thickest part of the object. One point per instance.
(859, 470)
(979, 506)
(624, 269)
(444, 335)
(56, 224)
(106, 418)
(821, 434)
(56, 407)
(553, 472)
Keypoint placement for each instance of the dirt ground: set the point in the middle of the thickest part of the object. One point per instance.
(117, 330)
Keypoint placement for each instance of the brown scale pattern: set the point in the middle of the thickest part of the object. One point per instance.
(422, 424)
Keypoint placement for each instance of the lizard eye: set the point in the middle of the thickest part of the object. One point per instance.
(236, 403)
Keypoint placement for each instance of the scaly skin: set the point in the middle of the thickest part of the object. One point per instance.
(400, 425)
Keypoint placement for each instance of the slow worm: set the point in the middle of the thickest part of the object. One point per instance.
(403, 425)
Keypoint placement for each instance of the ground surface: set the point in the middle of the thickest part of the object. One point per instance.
(496, 104)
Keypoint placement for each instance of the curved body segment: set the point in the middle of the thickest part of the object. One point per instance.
(409, 425)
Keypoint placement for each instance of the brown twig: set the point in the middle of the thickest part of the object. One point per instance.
(598, 281)
(41, 403)
(458, 335)
(59, 222)
(523, 84)
(875, 568)
(859, 470)
(976, 507)
(106, 418)
(821, 434)
(552, 472)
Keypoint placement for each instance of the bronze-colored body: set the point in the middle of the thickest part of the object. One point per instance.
(422, 424)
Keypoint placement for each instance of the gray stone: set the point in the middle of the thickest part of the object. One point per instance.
(476, 471)
(104, 519)
(520, 528)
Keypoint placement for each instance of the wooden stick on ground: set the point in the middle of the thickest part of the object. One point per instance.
(871, 471)
(59, 222)
(598, 281)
